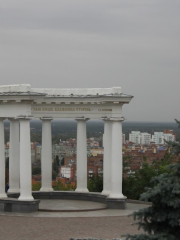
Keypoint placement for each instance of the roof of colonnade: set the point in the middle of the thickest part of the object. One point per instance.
(59, 102)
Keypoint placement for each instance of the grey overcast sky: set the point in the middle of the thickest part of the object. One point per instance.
(134, 44)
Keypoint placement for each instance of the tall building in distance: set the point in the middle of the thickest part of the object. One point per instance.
(134, 137)
(158, 138)
(145, 138)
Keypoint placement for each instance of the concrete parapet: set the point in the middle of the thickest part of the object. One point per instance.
(116, 203)
(112, 203)
(15, 205)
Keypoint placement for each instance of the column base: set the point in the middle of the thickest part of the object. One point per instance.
(105, 192)
(46, 190)
(13, 190)
(3, 195)
(81, 190)
(116, 203)
(24, 198)
(117, 195)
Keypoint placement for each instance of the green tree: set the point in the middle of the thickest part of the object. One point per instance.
(7, 163)
(161, 221)
(36, 186)
(61, 187)
(134, 185)
(62, 162)
(55, 168)
(54, 175)
(127, 160)
(57, 160)
(36, 170)
(95, 183)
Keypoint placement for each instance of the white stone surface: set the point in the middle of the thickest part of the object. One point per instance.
(15, 88)
(81, 162)
(12, 109)
(107, 141)
(25, 161)
(14, 174)
(2, 161)
(116, 165)
(46, 157)
(78, 91)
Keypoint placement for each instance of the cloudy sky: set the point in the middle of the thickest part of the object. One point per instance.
(134, 44)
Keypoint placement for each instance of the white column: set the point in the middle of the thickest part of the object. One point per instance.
(116, 167)
(14, 173)
(46, 156)
(25, 160)
(107, 141)
(2, 161)
(81, 161)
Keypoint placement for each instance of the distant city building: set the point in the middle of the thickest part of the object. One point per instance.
(169, 137)
(163, 137)
(145, 138)
(134, 137)
(96, 151)
(140, 138)
(66, 172)
(157, 138)
(171, 132)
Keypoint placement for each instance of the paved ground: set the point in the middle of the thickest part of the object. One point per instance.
(61, 226)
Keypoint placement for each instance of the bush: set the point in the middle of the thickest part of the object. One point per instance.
(61, 187)
(36, 186)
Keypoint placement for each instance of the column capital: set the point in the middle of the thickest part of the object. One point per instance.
(81, 119)
(24, 117)
(13, 119)
(113, 119)
(105, 119)
(46, 118)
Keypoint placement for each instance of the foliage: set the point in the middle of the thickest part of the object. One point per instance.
(62, 162)
(36, 171)
(95, 183)
(162, 219)
(57, 160)
(54, 175)
(7, 163)
(61, 187)
(55, 168)
(36, 186)
(135, 184)
(127, 160)
(6, 175)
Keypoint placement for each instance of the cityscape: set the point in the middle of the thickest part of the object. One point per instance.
(136, 145)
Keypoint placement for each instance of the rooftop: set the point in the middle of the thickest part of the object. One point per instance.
(25, 89)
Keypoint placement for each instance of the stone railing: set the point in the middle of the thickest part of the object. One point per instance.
(95, 238)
